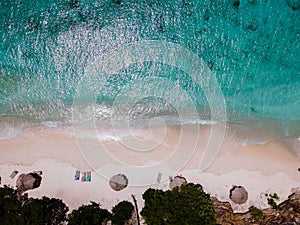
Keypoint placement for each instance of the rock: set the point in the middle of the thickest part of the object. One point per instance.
(224, 212)
(225, 215)
(236, 4)
(28, 181)
(238, 195)
(293, 4)
(176, 182)
(118, 182)
(253, 2)
(288, 215)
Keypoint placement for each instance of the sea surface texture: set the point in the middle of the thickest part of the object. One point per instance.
(251, 48)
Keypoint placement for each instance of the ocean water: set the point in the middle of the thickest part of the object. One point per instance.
(250, 47)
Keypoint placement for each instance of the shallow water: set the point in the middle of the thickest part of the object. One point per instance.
(251, 48)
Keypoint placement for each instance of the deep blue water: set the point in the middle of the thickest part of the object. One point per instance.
(252, 47)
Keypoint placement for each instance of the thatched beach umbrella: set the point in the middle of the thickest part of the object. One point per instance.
(28, 181)
(118, 182)
(176, 182)
(238, 194)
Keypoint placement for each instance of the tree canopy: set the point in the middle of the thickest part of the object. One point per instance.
(10, 207)
(89, 215)
(185, 205)
(44, 211)
(17, 209)
(121, 213)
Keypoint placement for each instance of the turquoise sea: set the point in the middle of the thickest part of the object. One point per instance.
(252, 48)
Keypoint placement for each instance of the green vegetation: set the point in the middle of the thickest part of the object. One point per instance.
(10, 207)
(272, 201)
(21, 210)
(187, 205)
(44, 211)
(274, 196)
(121, 213)
(256, 215)
(89, 215)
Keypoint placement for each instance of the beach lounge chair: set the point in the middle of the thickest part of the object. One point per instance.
(83, 176)
(89, 177)
(77, 175)
(158, 179)
(13, 174)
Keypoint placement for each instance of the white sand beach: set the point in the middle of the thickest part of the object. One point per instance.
(271, 167)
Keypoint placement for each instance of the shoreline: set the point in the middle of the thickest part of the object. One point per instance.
(262, 168)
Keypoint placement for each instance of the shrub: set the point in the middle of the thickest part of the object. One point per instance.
(271, 201)
(256, 214)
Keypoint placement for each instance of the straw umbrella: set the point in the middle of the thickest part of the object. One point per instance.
(118, 182)
(176, 182)
(28, 181)
(238, 194)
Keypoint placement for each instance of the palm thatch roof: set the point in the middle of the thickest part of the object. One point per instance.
(176, 182)
(238, 195)
(118, 182)
(28, 181)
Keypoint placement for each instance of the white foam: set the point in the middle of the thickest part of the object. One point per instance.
(107, 137)
(8, 132)
(50, 124)
(254, 142)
